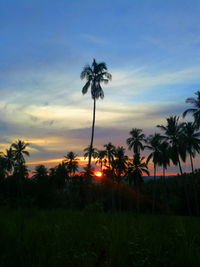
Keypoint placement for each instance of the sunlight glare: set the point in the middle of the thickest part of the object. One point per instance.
(98, 174)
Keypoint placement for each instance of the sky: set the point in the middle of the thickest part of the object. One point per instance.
(151, 48)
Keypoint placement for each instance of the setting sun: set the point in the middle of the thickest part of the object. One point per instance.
(98, 174)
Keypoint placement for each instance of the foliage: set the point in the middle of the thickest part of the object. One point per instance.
(31, 237)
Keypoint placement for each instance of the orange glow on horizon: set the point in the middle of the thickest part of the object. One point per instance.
(81, 160)
(98, 174)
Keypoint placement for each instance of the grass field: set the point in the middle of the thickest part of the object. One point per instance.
(68, 238)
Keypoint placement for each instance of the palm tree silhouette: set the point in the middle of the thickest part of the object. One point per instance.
(194, 111)
(71, 162)
(136, 168)
(154, 142)
(164, 160)
(101, 158)
(40, 172)
(174, 135)
(19, 151)
(110, 153)
(192, 145)
(88, 151)
(136, 140)
(120, 162)
(9, 159)
(191, 141)
(20, 169)
(95, 75)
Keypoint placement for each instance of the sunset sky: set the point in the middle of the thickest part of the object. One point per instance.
(152, 50)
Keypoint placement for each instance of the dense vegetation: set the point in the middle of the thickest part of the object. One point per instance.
(67, 238)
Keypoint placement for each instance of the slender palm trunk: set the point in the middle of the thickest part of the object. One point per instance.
(154, 189)
(92, 137)
(138, 197)
(165, 184)
(194, 186)
(179, 164)
(192, 165)
(185, 188)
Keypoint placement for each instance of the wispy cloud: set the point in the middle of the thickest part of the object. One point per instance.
(137, 80)
(94, 39)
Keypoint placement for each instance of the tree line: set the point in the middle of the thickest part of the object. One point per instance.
(175, 142)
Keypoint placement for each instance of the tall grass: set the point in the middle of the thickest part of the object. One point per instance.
(30, 237)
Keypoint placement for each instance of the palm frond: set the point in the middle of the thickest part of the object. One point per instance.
(26, 153)
(189, 110)
(85, 88)
(102, 66)
(161, 127)
(191, 100)
(86, 73)
(149, 158)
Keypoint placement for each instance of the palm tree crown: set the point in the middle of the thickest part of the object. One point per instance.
(120, 162)
(95, 75)
(110, 152)
(93, 151)
(154, 142)
(19, 151)
(101, 158)
(174, 135)
(40, 172)
(71, 161)
(136, 168)
(136, 140)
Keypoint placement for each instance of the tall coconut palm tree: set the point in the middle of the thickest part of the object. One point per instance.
(135, 142)
(164, 159)
(110, 153)
(20, 169)
(95, 75)
(173, 134)
(154, 142)
(194, 111)
(120, 162)
(71, 161)
(136, 168)
(191, 139)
